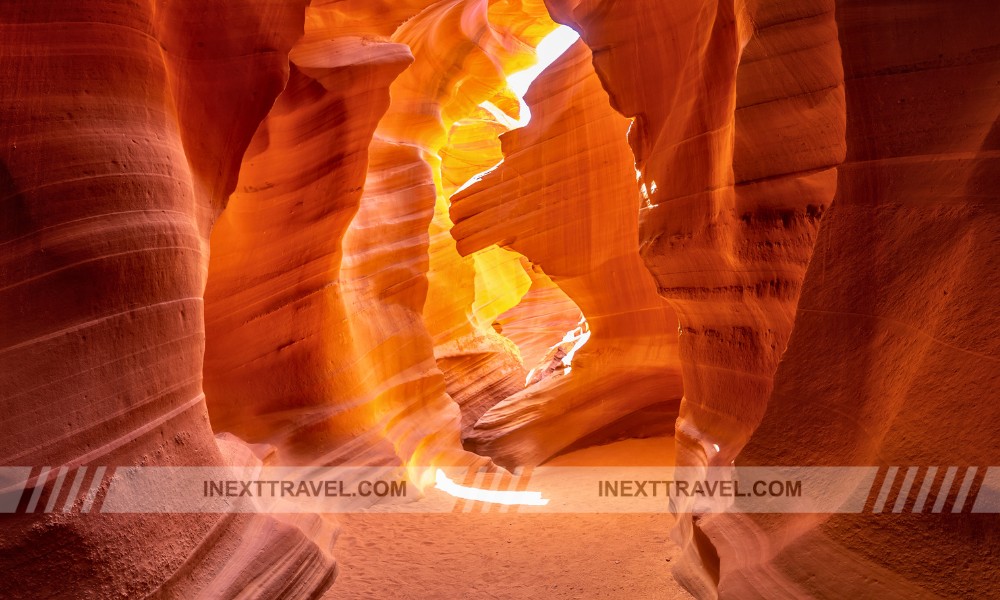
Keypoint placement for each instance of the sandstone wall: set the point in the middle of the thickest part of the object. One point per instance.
(123, 125)
(566, 198)
(893, 357)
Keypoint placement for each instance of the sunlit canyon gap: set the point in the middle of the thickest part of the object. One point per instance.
(505, 299)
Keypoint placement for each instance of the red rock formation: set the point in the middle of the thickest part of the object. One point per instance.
(740, 151)
(463, 50)
(122, 129)
(738, 120)
(348, 319)
(322, 363)
(544, 315)
(566, 198)
(385, 286)
(286, 362)
(893, 359)
(734, 200)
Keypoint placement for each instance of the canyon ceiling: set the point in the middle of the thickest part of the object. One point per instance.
(236, 231)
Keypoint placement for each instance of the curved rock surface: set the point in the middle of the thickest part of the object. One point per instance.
(905, 259)
(284, 364)
(463, 52)
(565, 197)
(733, 200)
(741, 114)
(738, 122)
(777, 218)
(122, 129)
(544, 314)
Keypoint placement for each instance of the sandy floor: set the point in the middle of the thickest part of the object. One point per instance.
(512, 556)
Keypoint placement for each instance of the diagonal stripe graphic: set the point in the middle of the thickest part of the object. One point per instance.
(510, 484)
(503, 485)
(56, 489)
(474, 505)
(470, 477)
(963, 491)
(988, 498)
(74, 489)
(890, 477)
(95, 485)
(925, 489)
(13, 480)
(904, 492)
(523, 478)
(490, 481)
(942, 497)
(37, 492)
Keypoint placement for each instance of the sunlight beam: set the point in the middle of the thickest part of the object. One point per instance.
(446, 485)
(549, 49)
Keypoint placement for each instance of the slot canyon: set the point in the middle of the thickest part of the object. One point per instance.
(513, 273)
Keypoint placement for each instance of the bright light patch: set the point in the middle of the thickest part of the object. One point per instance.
(446, 485)
(476, 178)
(716, 446)
(549, 49)
(579, 338)
(647, 192)
(502, 117)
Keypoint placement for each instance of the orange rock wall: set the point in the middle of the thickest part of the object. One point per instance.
(738, 115)
(463, 52)
(122, 128)
(566, 198)
(893, 357)
(337, 364)
(286, 363)
(723, 107)
(544, 314)
(357, 301)
(742, 116)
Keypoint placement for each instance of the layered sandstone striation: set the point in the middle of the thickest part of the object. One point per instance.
(317, 287)
(893, 358)
(463, 53)
(544, 315)
(741, 116)
(738, 125)
(340, 316)
(772, 224)
(565, 197)
(122, 127)
(317, 359)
